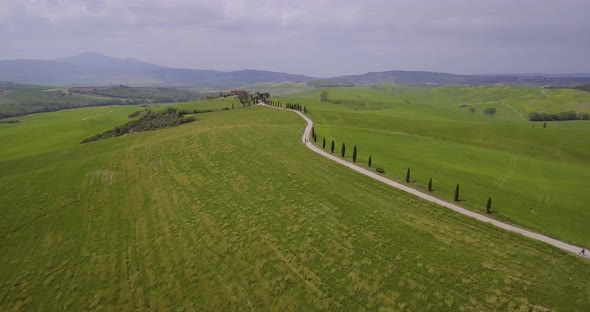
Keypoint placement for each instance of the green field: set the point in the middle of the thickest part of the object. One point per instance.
(231, 213)
(534, 175)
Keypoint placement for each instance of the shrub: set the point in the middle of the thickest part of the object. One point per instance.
(489, 111)
(380, 170)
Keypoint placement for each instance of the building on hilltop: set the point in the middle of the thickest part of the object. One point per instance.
(239, 92)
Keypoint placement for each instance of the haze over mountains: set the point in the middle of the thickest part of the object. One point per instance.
(96, 69)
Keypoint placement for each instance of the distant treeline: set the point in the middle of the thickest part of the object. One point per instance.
(584, 87)
(44, 107)
(150, 120)
(329, 84)
(153, 95)
(570, 115)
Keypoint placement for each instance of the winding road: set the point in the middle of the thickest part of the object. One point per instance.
(536, 236)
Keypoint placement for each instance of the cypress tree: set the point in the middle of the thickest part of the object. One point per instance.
(370, 161)
(343, 150)
(332, 147)
(312, 131)
(232, 105)
(457, 193)
(430, 185)
(489, 205)
(408, 175)
(354, 154)
(315, 137)
(544, 125)
(324, 143)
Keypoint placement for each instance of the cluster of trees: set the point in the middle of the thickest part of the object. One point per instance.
(570, 115)
(249, 99)
(150, 120)
(13, 121)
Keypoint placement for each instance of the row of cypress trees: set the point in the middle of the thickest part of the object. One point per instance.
(300, 108)
(408, 172)
(292, 106)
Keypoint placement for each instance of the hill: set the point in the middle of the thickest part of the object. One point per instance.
(19, 99)
(230, 213)
(532, 173)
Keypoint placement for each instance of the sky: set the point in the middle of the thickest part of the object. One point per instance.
(320, 38)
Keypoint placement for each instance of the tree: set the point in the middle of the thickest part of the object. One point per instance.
(324, 143)
(544, 125)
(343, 149)
(243, 99)
(315, 137)
(472, 110)
(489, 111)
(370, 161)
(324, 96)
(354, 154)
(332, 147)
(489, 205)
(457, 193)
(430, 185)
(408, 175)
(312, 132)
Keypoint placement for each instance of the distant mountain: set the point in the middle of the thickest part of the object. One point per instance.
(96, 69)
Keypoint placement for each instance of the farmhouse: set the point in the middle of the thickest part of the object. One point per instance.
(239, 92)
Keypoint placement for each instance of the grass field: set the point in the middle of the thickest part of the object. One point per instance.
(230, 213)
(535, 176)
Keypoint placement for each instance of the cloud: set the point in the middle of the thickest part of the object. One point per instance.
(321, 37)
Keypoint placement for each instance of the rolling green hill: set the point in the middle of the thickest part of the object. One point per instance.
(231, 213)
(533, 174)
(18, 100)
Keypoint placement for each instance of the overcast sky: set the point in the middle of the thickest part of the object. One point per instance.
(314, 37)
